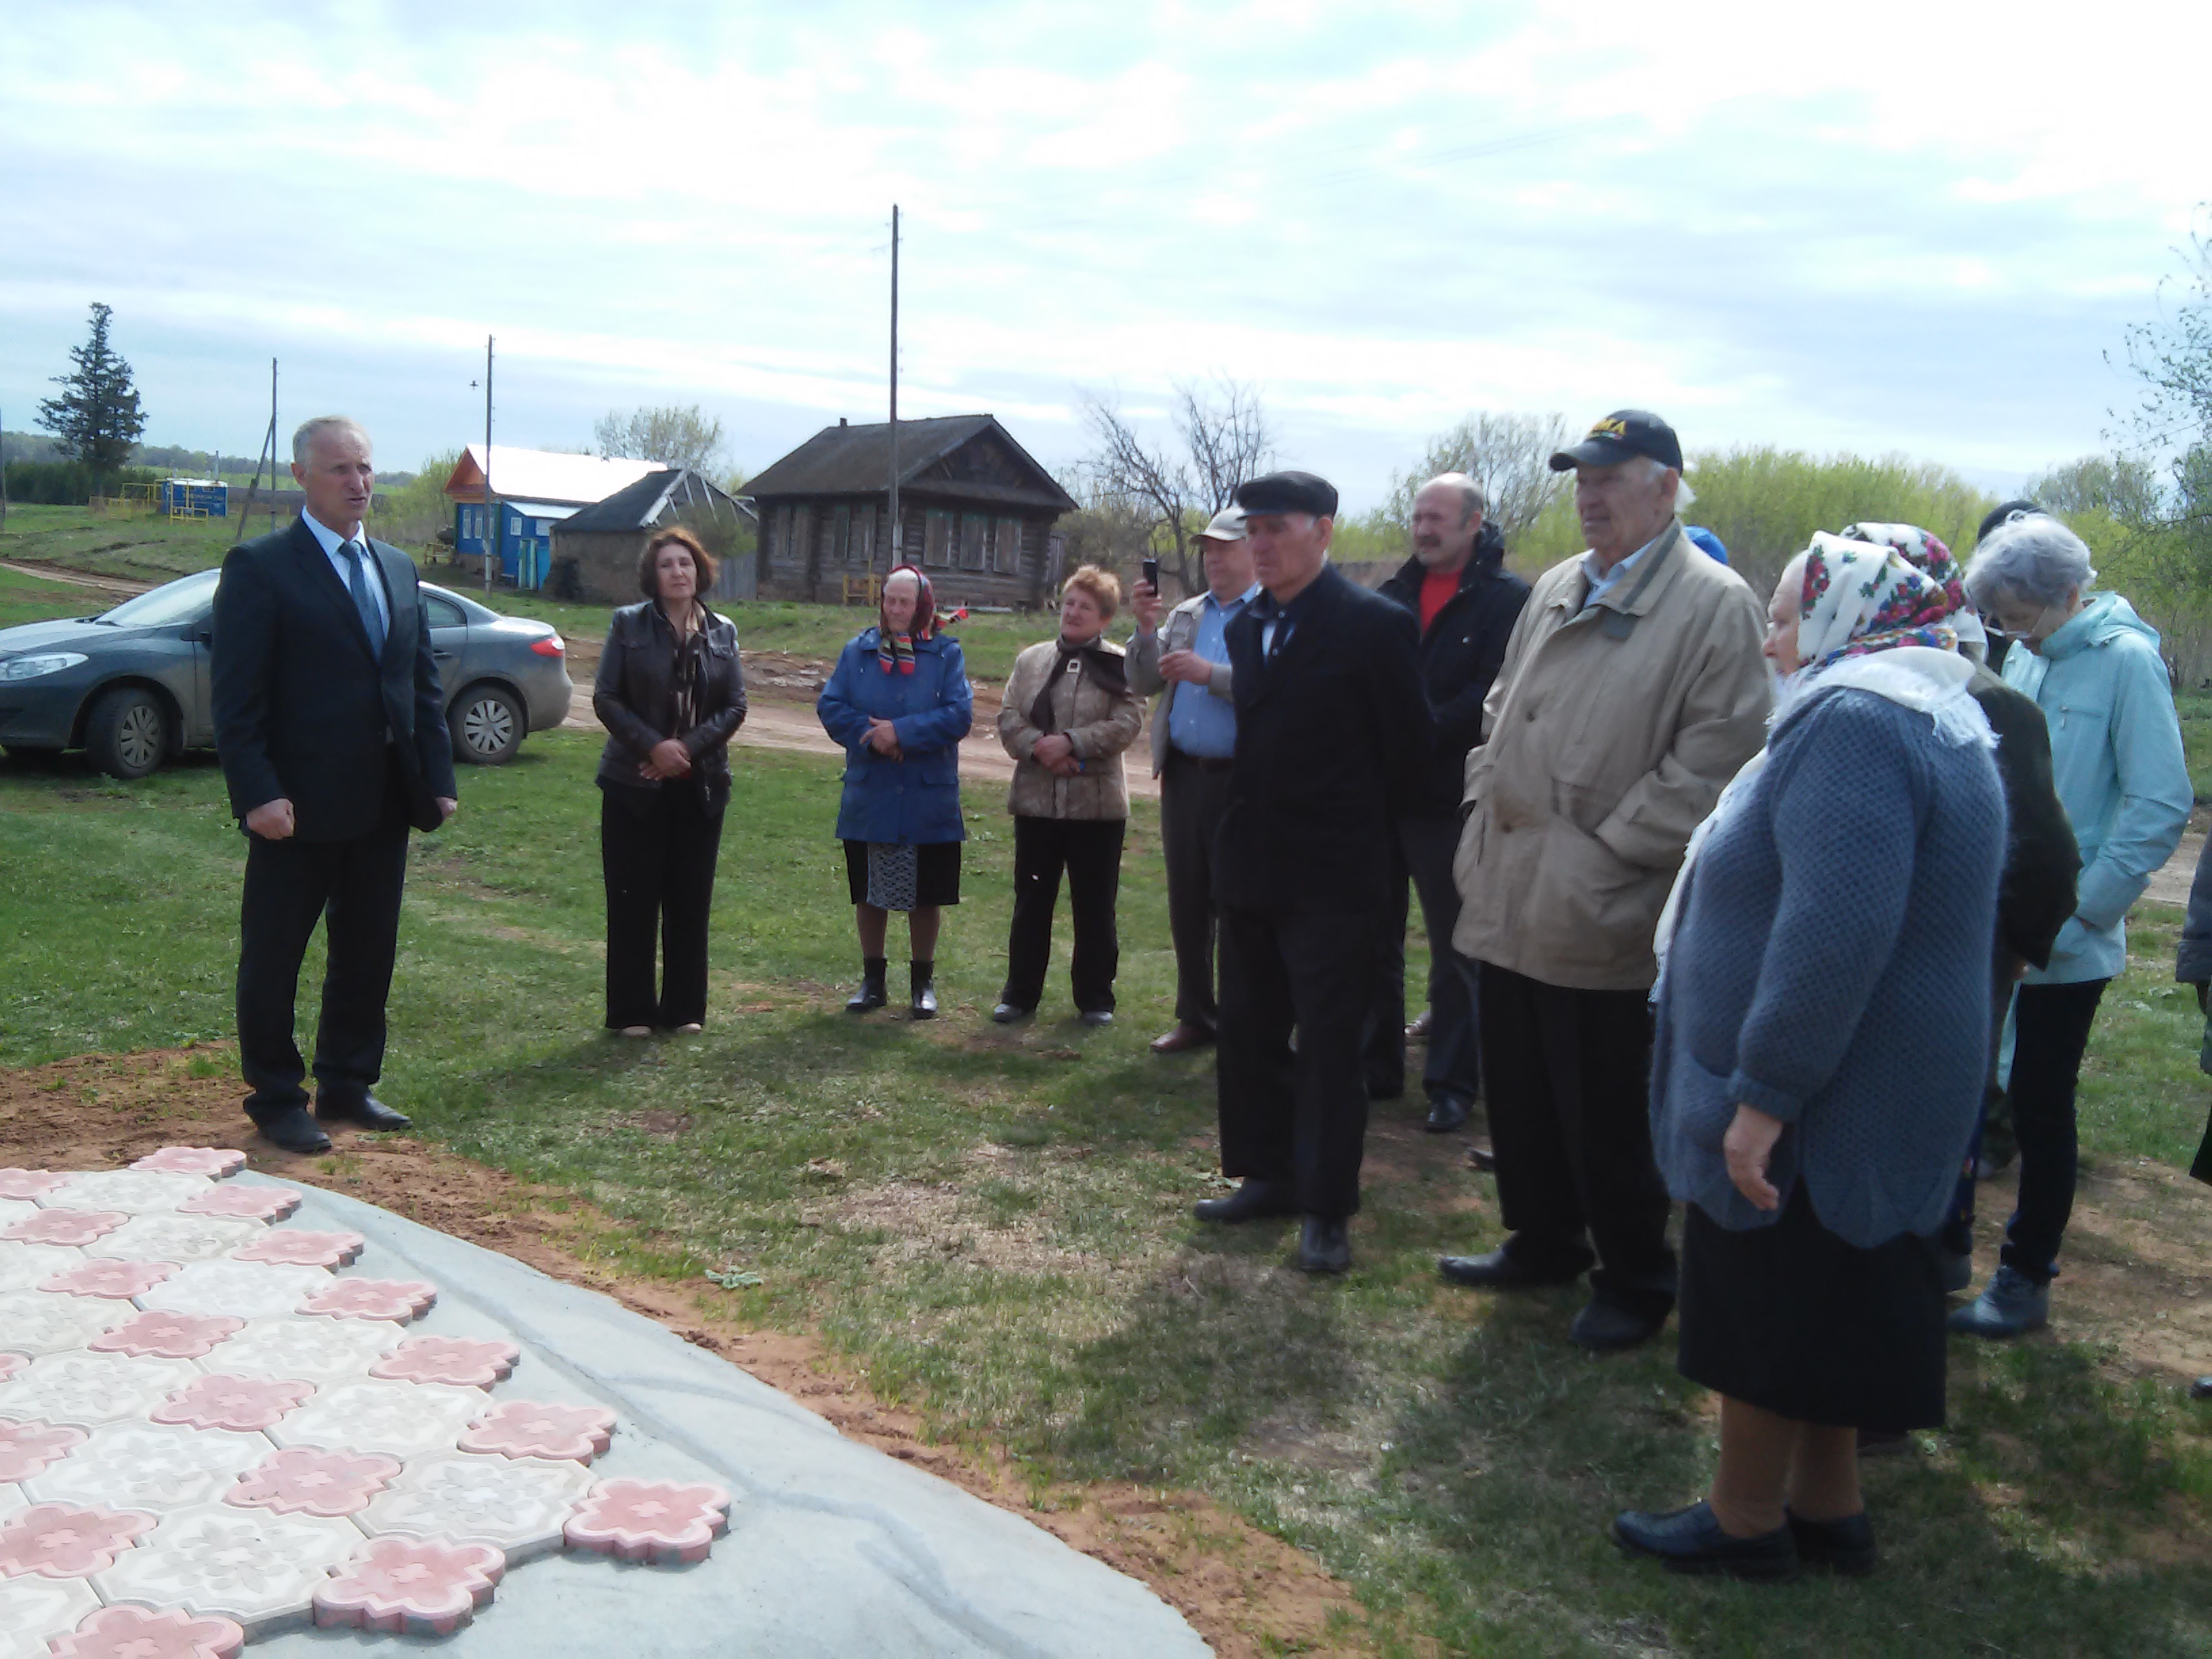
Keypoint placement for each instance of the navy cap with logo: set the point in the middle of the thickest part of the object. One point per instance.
(1624, 433)
(1288, 492)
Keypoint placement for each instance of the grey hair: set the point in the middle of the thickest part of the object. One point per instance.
(1651, 469)
(1472, 502)
(304, 440)
(2035, 557)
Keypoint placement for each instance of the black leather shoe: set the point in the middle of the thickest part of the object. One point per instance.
(1250, 1202)
(1324, 1245)
(1604, 1326)
(2201, 1389)
(293, 1130)
(1446, 1113)
(1845, 1546)
(922, 1005)
(1498, 1271)
(870, 997)
(1097, 1017)
(1007, 1012)
(365, 1109)
(1691, 1540)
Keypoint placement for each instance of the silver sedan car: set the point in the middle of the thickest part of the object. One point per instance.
(131, 686)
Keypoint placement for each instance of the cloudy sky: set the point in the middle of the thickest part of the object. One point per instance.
(1915, 226)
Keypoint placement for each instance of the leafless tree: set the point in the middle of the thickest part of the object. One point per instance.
(1508, 455)
(672, 436)
(1222, 438)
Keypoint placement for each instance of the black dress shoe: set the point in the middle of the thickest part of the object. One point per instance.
(1498, 1271)
(1606, 1326)
(1097, 1017)
(1446, 1113)
(1250, 1202)
(365, 1109)
(293, 1130)
(922, 1004)
(2201, 1389)
(1007, 1012)
(1691, 1540)
(1324, 1244)
(1845, 1546)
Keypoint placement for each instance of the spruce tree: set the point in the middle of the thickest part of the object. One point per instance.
(97, 418)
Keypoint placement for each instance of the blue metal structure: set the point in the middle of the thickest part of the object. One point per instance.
(525, 536)
(193, 498)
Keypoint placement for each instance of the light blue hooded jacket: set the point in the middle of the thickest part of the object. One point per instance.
(2115, 756)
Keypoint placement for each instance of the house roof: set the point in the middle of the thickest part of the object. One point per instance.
(646, 503)
(855, 460)
(543, 475)
(543, 509)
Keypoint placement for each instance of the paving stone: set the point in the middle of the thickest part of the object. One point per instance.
(86, 1389)
(12, 1363)
(179, 1238)
(47, 1323)
(297, 1247)
(28, 1185)
(26, 1266)
(67, 1540)
(245, 1203)
(214, 1163)
(161, 1335)
(244, 1290)
(312, 1481)
(258, 1568)
(398, 1419)
(33, 1610)
(138, 1192)
(411, 1586)
(120, 1280)
(73, 1227)
(660, 1521)
(12, 1499)
(317, 1351)
(128, 1633)
(448, 1360)
(149, 1466)
(533, 1428)
(400, 1300)
(243, 1405)
(13, 1210)
(28, 1448)
(520, 1505)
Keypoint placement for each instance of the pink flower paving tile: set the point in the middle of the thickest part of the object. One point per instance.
(296, 1246)
(27, 1267)
(658, 1521)
(401, 1300)
(244, 1289)
(411, 1586)
(255, 1567)
(75, 1227)
(179, 1238)
(518, 1505)
(160, 1334)
(66, 1540)
(128, 1633)
(317, 1351)
(244, 1203)
(150, 1468)
(532, 1428)
(25, 1449)
(139, 1191)
(214, 1163)
(86, 1389)
(401, 1420)
(120, 1280)
(33, 1610)
(310, 1481)
(28, 1185)
(245, 1405)
(12, 1363)
(45, 1323)
(451, 1360)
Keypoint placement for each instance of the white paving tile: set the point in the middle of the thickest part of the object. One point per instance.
(11, 1497)
(27, 1267)
(13, 1210)
(244, 1290)
(518, 1504)
(317, 1351)
(36, 1323)
(32, 1609)
(402, 1419)
(134, 1192)
(255, 1567)
(154, 1467)
(179, 1238)
(86, 1389)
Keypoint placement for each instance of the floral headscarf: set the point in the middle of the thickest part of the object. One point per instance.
(895, 650)
(1862, 597)
(1926, 553)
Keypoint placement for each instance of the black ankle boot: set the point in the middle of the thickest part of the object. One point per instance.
(871, 993)
(925, 993)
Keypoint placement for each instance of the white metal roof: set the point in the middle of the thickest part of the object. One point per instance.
(544, 509)
(542, 475)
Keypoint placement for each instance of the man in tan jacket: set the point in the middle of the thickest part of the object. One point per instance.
(1632, 690)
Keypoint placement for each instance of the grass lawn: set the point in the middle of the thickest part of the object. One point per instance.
(33, 599)
(995, 1225)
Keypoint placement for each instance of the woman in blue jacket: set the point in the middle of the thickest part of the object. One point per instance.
(899, 703)
(2093, 668)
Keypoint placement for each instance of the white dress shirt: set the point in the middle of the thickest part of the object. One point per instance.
(332, 544)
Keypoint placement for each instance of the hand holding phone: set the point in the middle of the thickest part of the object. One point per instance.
(1153, 575)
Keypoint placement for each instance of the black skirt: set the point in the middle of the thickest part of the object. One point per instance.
(937, 877)
(1793, 1320)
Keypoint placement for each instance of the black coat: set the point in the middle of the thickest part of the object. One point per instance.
(634, 695)
(2035, 895)
(1333, 741)
(303, 711)
(1460, 653)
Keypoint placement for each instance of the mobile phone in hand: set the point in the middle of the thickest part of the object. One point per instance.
(1153, 575)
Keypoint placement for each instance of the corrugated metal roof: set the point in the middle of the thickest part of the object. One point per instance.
(855, 460)
(642, 503)
(543, 509)
(542, 475)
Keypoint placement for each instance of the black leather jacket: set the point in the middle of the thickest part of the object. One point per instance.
(633, 697)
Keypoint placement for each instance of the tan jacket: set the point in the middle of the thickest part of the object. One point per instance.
(1610, 732)
(1100, 725)
(1178, 630)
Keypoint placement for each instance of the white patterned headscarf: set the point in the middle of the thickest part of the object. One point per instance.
(1925, 552)
(1862, 597)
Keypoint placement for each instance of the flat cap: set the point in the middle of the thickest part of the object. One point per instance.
(2008, 513)
(1624, 433)
(1226, 526)
(1288, 492)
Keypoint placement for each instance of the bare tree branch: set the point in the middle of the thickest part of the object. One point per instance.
(1221, 438)
(1508, 455)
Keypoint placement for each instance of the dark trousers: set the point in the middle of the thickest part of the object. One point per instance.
(1298, 1117)
(1956, 1234)
(657, 850)
(1192, 794)
(1569, 1074)
(1426, 845)
(1089, 851)
(2050, 1029)
(353, 887)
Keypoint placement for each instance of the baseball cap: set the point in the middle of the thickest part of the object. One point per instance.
(1624, 433)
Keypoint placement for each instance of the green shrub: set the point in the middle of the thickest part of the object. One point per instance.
(65, 484)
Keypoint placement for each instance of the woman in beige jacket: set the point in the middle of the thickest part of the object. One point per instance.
(1067, 714)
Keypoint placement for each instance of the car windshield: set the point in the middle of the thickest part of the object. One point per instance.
(183, 600)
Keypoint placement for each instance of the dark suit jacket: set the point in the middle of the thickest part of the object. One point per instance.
(303, 711)
(1333, 742)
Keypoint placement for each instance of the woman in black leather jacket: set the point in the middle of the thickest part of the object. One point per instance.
(671, 693)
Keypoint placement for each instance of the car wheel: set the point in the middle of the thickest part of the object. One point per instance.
(488, 726)
(127, 734)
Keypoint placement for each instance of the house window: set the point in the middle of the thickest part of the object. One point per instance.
(936, 538)
(782, 550)
(840, 534)
(863, 546)
(1006, 557)
(974, 530)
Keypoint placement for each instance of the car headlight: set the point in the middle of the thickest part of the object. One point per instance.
(29, 668)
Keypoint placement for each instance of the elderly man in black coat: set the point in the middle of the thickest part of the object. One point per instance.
(330, 726)
(1333, 738)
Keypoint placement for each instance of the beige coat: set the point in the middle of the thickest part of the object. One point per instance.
(1100, 724)
(1610, 732)
(1177, 631)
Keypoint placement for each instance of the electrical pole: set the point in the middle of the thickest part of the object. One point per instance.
(891, 549)
(491, 506)
(269, 449)
(3, 474)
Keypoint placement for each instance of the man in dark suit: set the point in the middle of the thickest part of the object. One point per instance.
(1333, 738)
(330, 726)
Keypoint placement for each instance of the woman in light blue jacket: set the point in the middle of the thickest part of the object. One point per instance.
(2093, 666)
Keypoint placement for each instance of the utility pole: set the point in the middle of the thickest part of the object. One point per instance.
(268, 449)
(491, 506)
(891, 547)
(3, 474)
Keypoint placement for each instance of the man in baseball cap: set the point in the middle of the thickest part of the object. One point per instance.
(1624, 433)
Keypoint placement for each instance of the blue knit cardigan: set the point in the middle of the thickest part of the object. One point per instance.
(1831, 968)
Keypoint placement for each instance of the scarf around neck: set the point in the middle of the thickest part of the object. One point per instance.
(1107, 669)
(895, 651)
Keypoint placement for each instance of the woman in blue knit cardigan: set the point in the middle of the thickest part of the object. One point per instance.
(1822, 1021)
